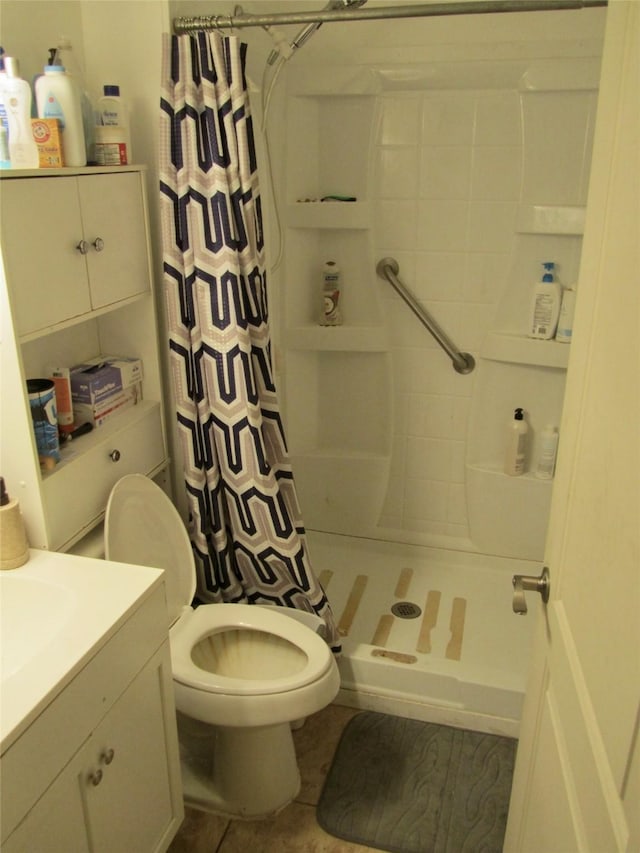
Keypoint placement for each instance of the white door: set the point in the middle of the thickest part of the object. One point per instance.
(577, 777)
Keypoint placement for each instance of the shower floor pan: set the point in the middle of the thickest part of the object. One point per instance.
(427, 633)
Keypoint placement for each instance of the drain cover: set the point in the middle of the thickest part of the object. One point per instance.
(406, 610)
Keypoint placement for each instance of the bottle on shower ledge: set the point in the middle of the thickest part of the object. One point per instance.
(331, 310)
(515, 453)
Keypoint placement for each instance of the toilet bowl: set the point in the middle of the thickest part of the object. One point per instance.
(242, 674)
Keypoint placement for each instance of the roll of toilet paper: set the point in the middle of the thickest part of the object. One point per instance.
(14, 548)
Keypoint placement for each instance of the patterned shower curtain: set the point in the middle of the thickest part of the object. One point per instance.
(245, 521)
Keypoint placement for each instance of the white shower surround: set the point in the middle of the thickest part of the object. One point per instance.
(469, 172)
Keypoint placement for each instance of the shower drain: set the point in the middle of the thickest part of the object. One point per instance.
(406, 610)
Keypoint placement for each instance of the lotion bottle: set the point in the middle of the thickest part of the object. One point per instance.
(59, 97)
(564, 331)
(545, 305)
(546, 463)
(23, 150)
(516, 444)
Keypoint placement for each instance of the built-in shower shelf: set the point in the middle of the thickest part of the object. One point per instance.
(329, 214)
(518, 349)
(492, 469)
(551, 219)
(344, 338)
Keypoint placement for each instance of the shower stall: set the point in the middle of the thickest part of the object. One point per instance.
(465, 145)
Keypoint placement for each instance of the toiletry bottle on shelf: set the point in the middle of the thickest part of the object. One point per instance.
(516, 445)
(23, 150)
(58, 97)
(331, 312)
(14, 548)
(564, 331)
(545, 305)
(65, 55)
(546, 463)
(113, 141)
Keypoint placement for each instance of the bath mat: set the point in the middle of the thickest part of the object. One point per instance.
(411, 787)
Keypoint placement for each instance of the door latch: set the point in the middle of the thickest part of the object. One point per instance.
(522, 583)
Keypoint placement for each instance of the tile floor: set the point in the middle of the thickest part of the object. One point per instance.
(294, 829)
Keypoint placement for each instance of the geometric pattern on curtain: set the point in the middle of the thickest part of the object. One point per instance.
(245, 522)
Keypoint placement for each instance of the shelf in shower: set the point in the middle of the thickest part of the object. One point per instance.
(551, 219)
(338, 338)
(329, 214)
(518, 349)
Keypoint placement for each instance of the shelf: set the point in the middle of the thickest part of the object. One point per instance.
(493, 470)
(518, 349)
(329, 214)
(551, 219)
(338, 338)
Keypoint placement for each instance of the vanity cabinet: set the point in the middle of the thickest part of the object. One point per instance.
(98, 769)
(77, 269)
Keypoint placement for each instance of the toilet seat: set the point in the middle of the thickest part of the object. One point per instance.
(314, 656)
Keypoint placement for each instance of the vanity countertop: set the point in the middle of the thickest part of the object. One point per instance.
(56, 612)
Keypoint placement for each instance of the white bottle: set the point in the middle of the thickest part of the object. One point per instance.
(564, 331)
(23, 150)
(515, 453)
(331, 312)
(64, 55)
(115, 143)
(545, 306)
(546, 463)
(58, 96)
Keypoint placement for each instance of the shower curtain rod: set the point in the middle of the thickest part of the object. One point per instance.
(423, 10)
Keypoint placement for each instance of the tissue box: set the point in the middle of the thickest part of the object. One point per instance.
(105, 376)
(100, 413)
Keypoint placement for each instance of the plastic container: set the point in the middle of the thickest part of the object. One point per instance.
(112, 113)
(515, 452)
(331, 311)
(545, 305)
(546, 462)
(65, 55)
(564, 332)
(23, 150)
(14, 548)
(58, 96)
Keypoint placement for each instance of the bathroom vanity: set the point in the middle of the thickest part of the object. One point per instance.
(89, 752)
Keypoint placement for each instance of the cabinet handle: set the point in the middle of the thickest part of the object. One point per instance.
(115, 455)
(98, 244)
(83, 247)
(107, 756)
(95, 778)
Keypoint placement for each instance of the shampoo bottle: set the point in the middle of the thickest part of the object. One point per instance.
(545, 305)
(546, 463)
(23, 150)
(331, 312)
(516, 445)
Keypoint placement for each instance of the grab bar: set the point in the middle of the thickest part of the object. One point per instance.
(463, 362)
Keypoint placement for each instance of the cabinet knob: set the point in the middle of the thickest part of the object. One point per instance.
(95, 778)
(98, 244)
(83, 247)
(107, 756)
(115, 455)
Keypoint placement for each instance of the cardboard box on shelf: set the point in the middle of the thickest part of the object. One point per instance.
(102, 377)
(99, 413)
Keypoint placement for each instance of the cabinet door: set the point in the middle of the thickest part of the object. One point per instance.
(113, 216)
(41, 229)
(134, 806)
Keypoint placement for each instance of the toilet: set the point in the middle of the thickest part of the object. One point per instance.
(243, 674)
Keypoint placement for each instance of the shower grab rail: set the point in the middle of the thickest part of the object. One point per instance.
(463, 362)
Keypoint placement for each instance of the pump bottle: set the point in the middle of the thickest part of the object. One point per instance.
(23, 150)
(516, 445)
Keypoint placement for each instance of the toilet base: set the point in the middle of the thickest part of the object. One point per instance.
(246, 773)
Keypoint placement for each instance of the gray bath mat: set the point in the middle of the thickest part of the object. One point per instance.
(410, 787)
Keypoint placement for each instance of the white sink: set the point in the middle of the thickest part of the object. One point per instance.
(55, 612)
(32, 613)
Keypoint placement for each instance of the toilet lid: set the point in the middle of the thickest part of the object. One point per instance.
(143, 527)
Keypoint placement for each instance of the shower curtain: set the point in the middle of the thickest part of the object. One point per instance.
(245, 522)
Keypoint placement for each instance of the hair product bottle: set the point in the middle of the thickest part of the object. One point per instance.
(331, 312)
(545, 305)
(515, 454)
(564, 331)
